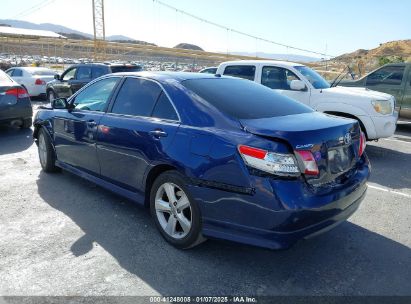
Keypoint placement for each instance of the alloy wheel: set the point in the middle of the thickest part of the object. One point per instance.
(42, 150)
(173, 210)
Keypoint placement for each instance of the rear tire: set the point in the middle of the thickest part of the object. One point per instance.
(47, 155)
(175, 213)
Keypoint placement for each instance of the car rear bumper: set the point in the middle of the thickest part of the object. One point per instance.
(21, 110)
(293, 212)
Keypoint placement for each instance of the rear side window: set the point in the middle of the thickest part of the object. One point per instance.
(126, 68)
(241, 71)
(137, 97)
(99, 71)
(164, 109)
(83, 73)
(17, 73)
(244, 99)
(391, 75)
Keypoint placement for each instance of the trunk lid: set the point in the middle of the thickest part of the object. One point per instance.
(333, 141)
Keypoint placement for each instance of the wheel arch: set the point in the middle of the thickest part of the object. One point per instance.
(348, 115)
(151, 176)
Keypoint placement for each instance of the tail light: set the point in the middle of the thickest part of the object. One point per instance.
(18, 92)
(39, 82)
(363, 144)
(308, 160)
(270, 162)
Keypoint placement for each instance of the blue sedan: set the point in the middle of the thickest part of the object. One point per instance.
(210, 156)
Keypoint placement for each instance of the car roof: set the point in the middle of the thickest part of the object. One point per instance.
(268, 62)
(167, 75)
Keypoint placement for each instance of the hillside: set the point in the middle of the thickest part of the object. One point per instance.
(399, 48)
(188, 46)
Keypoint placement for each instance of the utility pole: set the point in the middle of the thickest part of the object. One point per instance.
(99, 30)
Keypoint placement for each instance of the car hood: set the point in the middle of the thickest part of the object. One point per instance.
(356, 92)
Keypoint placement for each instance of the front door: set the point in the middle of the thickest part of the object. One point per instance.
(405, 111)
(389, 79)
(135, 132)
(279, 79)
(75, 130)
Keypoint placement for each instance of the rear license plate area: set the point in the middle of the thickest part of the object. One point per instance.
(340, 159)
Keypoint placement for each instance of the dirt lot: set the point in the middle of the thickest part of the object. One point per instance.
(59, 235)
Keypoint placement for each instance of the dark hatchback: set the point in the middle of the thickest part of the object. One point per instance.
(210, 156)
(15, 104)
(77, 76)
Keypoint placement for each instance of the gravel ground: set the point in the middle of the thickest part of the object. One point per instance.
(62, 236)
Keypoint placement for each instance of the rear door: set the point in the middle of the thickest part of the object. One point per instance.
(388, 79)
(135, 132)
(75, 130)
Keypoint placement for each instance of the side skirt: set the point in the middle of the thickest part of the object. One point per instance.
(133, 196)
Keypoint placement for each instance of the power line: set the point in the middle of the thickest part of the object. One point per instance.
(33, 9)
(237, 31)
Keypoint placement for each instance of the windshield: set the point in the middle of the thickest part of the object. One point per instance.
(313, 77)
(43, 73)
(244, 99)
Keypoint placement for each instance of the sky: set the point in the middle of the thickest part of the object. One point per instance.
(326, 26)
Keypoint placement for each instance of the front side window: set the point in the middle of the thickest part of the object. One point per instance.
(390, 75)
(241, 71)
(69, 74)
(136, 97)
(277, 78)
(244, 99)
(84, 73)
(95, 97)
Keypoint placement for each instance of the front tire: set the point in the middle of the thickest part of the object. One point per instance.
(176, 214)
(47, 155)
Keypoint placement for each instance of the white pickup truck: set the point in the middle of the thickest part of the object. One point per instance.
(375, 111)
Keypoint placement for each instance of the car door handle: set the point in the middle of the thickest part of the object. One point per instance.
(158, 133)
(91, 123)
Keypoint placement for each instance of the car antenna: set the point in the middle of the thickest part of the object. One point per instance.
(349, 71)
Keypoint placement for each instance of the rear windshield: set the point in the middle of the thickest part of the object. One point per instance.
(126, 68)
(4, 77)
(243, 99)
(43, 73)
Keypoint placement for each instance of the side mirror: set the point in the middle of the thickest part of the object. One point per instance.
(297, 85)
(60, 103)
(57, 77)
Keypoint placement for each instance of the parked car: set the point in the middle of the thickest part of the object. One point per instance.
(76, 76)
(211, 70)
(394, 79)
(33, 79)
(15, 104)
(210, 156)
(375, 111)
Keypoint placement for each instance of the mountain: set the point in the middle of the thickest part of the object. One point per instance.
(188, 46)
(65, 31)
(398, 48)
(288, 57)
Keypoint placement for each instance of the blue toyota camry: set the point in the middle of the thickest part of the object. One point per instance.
(211, 156)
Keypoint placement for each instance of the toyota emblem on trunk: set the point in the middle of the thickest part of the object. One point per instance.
(347, 139)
